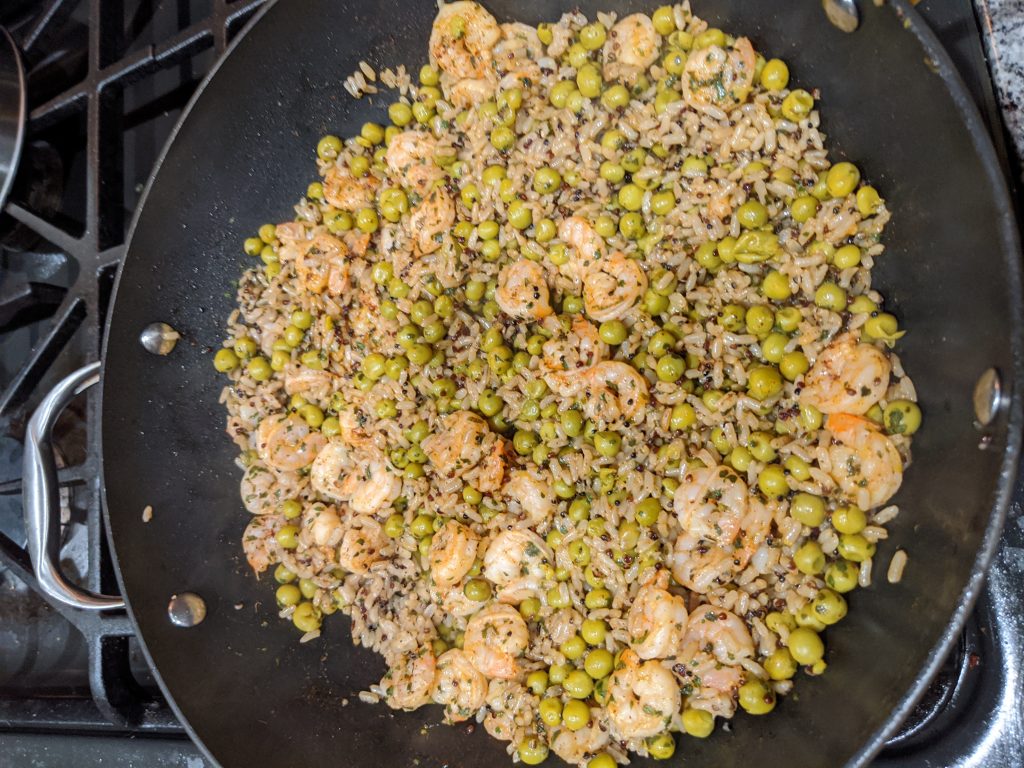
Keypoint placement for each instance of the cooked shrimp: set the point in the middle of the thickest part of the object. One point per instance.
(458, 685)
(286, 443)
(716, 642)
(847, 377)
(347, 192)
(362, 544)
(523, 290)
(632, 46)
(362, 477)
(615, 390)
(577, 747)
(468, 92)
(865, 462)
(410, 156)
(517, 561)
(452, 553)
(535, 498)
(566, 357)
(510, 707)
(657, 619)
(612, 286)
(453, 600)
(515, 57)
(462, 40)
(587, 245)
(461, 443)
(429, 220)
(260, 490)
(258, 542)
(324, 525)
(718, 77)
(711, 503)
(643, 697)
(408, 683)
(700, 564)
(322, 264)
(315, 385)
(488, 475)
(352, 430)
(495, 638)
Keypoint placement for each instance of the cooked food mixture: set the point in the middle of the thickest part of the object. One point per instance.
(568, 385)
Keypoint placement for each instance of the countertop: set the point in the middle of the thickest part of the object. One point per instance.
(1002, 25)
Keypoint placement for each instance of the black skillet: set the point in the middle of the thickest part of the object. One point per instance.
(249, 694)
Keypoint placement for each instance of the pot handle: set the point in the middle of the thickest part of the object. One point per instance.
(41, 496)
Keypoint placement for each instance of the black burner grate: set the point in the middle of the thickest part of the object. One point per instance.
(106, 81)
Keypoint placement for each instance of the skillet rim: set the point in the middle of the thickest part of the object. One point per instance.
(1011, 252)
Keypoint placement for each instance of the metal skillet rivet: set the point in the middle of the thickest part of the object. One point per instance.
(158, 338)
(988, 397)
(842, 14)
(186, 609)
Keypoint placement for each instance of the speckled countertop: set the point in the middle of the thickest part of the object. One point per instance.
(1002, 23)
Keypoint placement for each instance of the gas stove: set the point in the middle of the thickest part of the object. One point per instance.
(106, 80)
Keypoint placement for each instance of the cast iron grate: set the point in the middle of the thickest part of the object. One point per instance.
(94, 77)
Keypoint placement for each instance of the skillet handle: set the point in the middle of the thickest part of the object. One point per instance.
(41, 496)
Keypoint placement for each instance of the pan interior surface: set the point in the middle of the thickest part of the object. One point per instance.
(250, 693)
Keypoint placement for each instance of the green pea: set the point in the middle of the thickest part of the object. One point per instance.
(328, 147)
(809, 558)
(808, 509)
(225, 360)
(532, 751)
(502, 138)
(283, 576)
(607, 443)
(306, 617)
(524, 441)
(764, 382)
(589, 82)
(664, 20)
(550, 711)
(842, 179)
(259, 369)
(631, 197)
(597, 599)
(775, 75)
(805, 646)
(477, 590)
(709, 37)
(868, 201)
(400, 114)
(829, 607)
(780, 665)
(797, 105)
(519, 215)
(752, 214)
(756, 698)
(288, 536)
(683, 416)
(697, 723)
(902, 417)
(793, 365)
(772, 481)
(612, 140)
(577, 55)
(579, 510)
(366, 220)
(830, 296)
(288, 594)
(579, 552)
(592, 36)
(546, 180)
(559, 93)
(670, 368)
(773, 348)
(842, 576)
(615, 97)
(578, 684)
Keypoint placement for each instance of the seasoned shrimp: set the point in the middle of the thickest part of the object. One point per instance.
(461, 444)
(847, 377)
(577, 747)
(517, 561)
(462, 40)
(565, 357)
(258, 542)
(515, 57)
(865, 462)
(453, 600)
(362, 544)
(612, 286)
(716, 642)
(643, 697)
(452, 553)
(286, 443)
(587, 245)
(523, 290)
(429, 220)
(260, 490)
(362, 477)
(535, 497)
(510, 707)
(700, 564)
(657, 619)
(347, 192)
(313, 384)
(323, 264)
(711, 503)
(632, 46)
(352, 430)
(495, 638)
(458, 685)
(408, 683)
(410, 156)
(470, 91)
(615, 390)
(324, 525)
(718, 77)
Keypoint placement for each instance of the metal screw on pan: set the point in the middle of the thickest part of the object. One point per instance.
(843, 14)
(159, 338)
(989, 397)
(186, 610)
